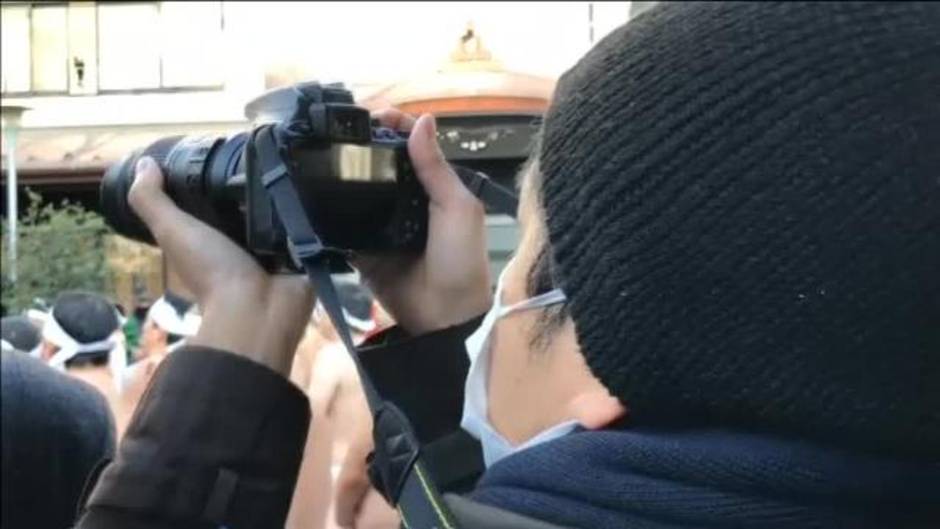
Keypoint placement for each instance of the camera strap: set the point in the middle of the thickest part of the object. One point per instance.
(397, 455)
(489, 192)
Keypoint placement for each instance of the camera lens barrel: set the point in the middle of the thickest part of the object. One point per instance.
(116, 183)
(197, 173)
(355, 184)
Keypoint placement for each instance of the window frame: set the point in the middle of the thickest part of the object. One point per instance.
(30, 6)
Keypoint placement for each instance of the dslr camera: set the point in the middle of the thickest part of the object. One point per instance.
(354, 179)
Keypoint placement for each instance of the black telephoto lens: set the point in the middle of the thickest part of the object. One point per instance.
(203, 176)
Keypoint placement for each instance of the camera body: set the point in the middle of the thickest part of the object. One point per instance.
(355, 181)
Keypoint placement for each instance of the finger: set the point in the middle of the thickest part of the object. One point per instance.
(350, 494)
(440, 181)
(376, 268)
(198, 252)
(146, 196)
(394, 119)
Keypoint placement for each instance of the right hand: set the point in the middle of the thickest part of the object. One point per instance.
(245, 310)
(450, 283)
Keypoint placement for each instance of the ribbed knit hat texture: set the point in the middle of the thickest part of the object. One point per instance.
(753, 191)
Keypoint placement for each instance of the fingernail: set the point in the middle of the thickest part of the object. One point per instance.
(144, 164)
(432, 135)
(432, 128)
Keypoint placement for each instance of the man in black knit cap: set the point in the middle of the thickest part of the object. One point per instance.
(724, 310)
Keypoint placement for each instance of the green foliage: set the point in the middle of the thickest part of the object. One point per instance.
(59, 248)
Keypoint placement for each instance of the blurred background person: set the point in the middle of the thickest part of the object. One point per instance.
(82, 336)
(55, 430)
(21, 334)
(170, 320)
(339, 409)
(133, 326)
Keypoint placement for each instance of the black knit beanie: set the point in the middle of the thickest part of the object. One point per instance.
(753, 189)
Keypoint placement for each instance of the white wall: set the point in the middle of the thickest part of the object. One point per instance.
(366, 45)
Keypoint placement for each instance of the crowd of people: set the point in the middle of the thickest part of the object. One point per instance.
(723, 311)
(73, 375)
(88, 337)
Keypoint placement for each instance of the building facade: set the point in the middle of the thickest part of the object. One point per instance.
(104, 78)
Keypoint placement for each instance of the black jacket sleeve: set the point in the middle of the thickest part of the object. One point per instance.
(217, 440)
(423, 375)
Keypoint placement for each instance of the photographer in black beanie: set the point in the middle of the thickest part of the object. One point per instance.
(724, 310)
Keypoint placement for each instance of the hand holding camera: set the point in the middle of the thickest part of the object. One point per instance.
(393, 207)
(246, 310)
(448, 283)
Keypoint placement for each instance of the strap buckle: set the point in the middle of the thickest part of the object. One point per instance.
(303, 251)
(273, 176)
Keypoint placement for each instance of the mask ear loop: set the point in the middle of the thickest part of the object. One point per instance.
(546, 299)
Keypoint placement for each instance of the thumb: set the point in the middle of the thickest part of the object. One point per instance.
(146, 195)
(435, 174)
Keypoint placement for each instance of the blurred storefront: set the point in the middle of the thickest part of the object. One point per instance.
(488, 119)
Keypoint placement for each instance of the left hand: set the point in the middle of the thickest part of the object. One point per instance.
(245, 310)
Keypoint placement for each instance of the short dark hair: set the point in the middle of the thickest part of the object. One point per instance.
(542, 277)
(85, 316)
(93, 358)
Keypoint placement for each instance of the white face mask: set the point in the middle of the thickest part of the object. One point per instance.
(475, 408)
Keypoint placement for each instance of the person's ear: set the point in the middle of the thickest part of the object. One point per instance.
(596, 408)
(163, 336)
(48, 350)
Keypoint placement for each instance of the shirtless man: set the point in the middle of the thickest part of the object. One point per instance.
(325, 370)
(82, 336)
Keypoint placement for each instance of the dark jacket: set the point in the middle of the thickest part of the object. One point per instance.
(217, 441)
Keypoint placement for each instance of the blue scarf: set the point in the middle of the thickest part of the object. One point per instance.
(640, 478)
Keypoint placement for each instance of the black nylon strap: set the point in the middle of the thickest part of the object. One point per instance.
(489, 192)
(405, 479)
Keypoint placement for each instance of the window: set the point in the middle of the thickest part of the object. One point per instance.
(191, 44)
(50, 49)
(14, 48)
(35, 48)
(128, 46)
(84, 48)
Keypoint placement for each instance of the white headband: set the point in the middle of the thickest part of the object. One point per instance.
(363, 326)
(68, 346)
(37, 315)
(165, 316)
